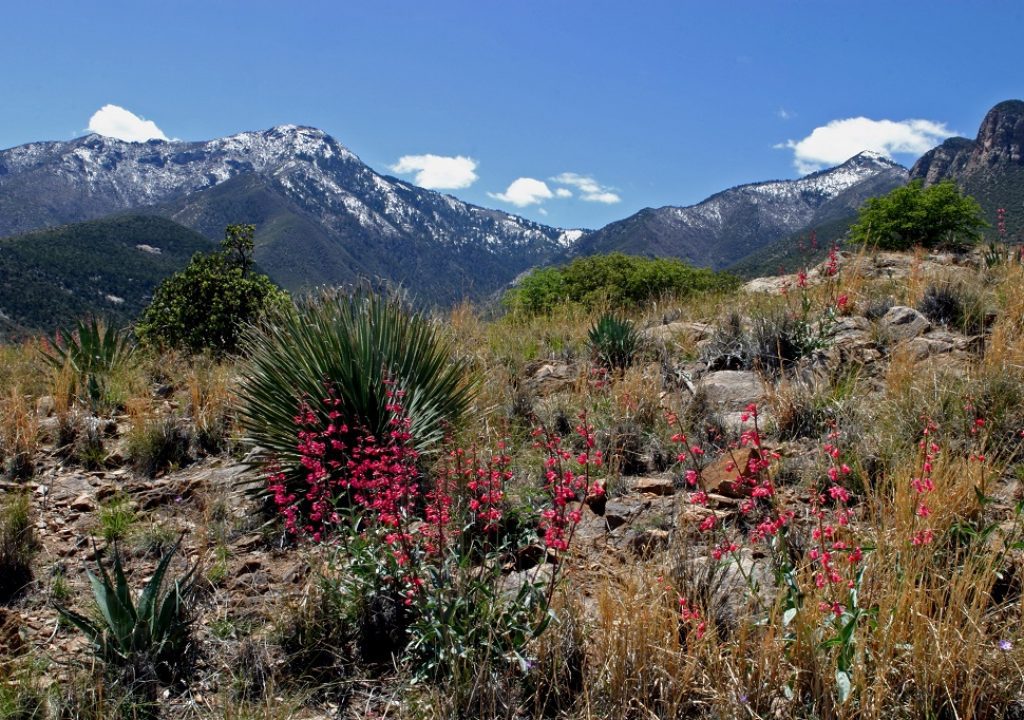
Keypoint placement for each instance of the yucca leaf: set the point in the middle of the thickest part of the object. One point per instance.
(117, 618)
(92, 631)
(152, 590)
(124, 593)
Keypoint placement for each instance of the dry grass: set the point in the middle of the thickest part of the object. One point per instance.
(926, 644)
(19, 434)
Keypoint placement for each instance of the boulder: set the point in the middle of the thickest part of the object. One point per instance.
(904, 323)
(733, 388)
(680, 332)
(664, 485)
(550, 377)
(920, 348)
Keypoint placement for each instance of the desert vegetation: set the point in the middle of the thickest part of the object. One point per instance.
(796, 498)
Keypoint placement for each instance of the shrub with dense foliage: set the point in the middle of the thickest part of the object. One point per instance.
(938, 216)
(207, 305)
(615, 279)
(347, 348)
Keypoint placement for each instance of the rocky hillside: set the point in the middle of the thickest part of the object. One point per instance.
(666, 575)
(738, 222)
(323, 216)
(990, 167)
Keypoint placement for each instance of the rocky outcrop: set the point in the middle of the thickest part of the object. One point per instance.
(990, 168)
(904, 323)
(1000, 141)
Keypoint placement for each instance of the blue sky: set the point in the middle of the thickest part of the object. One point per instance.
(584, 111)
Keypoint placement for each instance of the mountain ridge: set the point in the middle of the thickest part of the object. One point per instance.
(334, 218)
(734, 223)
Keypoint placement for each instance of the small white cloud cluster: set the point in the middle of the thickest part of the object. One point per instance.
(116, 122)
(840, 140)
(438, 172)
(526, 191)
(590, 189)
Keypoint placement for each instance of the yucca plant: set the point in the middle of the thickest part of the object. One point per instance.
(351, 345)
(155, 629)
(91, 352)
(614, 341)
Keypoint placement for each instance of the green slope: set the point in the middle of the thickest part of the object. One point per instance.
(50, 278)
(793, 252)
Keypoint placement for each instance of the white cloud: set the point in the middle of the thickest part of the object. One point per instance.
(840, 140)
(438, 172)
(563, 193)
(525, 191)
(116, 122)
(785, 114)
(590, 189)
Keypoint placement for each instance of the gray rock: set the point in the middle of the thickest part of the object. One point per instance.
(550, 377)
(733, 389)
(904, 323)
(921, 348)
(684, 332)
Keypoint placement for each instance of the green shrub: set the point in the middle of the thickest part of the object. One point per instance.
(614, 342)
(352, 344)
(207, 305)
(934, 217)
(615, 279)
(153, 631)
(18, 544)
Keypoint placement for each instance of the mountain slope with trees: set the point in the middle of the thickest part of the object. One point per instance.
(107, 268)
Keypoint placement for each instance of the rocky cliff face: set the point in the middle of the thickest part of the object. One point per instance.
(1000, 142)
(990, 167)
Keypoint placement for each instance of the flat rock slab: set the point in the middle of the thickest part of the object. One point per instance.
(654, 485)
(733, 389)
(550, 377)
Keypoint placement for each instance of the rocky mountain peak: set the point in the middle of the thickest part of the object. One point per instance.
(1001, 136)
(990, 168)
(870, 158)
(322, 216)
(735, 223)
(1000, 142)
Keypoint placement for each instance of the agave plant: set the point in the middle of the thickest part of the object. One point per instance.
(92, 351)
(614, 341)
(156, 628)
(352, 345)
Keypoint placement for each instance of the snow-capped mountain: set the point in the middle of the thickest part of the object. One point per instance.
(737, 222)
(322, 215)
